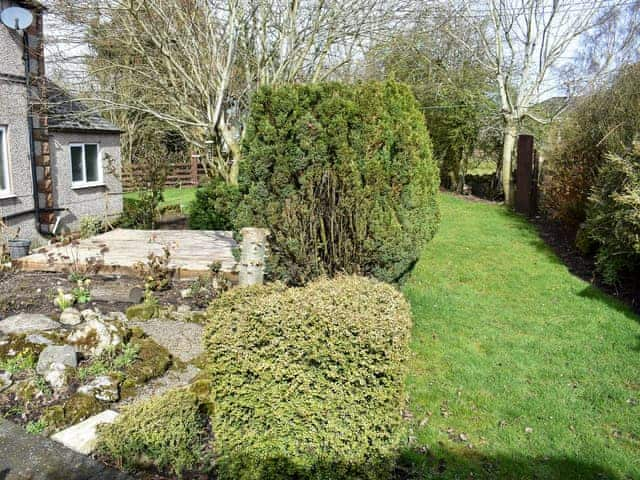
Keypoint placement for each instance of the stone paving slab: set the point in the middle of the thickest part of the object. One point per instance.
(33, 457)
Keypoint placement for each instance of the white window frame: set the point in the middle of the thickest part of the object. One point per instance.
(83, 182)
(5, 192)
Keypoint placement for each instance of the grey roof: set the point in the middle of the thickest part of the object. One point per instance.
(31, 4)
(67, 114)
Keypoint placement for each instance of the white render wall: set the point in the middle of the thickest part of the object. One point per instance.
(13, 116)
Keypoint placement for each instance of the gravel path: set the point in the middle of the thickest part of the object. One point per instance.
(182, 339)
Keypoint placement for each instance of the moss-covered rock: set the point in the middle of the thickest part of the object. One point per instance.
(76, 409)
(16, 344)
(152, 361)
(142, 312)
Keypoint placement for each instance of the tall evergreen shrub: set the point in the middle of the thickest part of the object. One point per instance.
(343, 177)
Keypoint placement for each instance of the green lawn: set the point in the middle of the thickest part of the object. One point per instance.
(520, 369)
(173, 196)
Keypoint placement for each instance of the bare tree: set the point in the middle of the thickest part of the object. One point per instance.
(194, 64)
(524, 43)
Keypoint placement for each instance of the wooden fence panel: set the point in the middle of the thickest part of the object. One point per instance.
(179, 174)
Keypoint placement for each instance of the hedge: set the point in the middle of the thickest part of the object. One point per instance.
(308, 382)
(613, 216)
(343, 177)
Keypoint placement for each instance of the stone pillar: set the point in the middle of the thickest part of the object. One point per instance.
(252, 256)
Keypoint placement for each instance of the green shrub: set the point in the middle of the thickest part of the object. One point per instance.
(604, 122)
(613, 218)
(342, 176)
(169, 431)
(139, 213)
(308, 382)
(214, 207)
(91, 226)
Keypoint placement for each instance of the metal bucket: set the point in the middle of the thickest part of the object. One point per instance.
(18, 248)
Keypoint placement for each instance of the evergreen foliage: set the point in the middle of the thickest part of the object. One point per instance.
(169, 431)
(613, 216)
(215, 206)
(601, 123)
(308, 382)
(342, 176)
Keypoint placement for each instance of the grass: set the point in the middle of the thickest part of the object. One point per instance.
(520, 370)
(173, 196)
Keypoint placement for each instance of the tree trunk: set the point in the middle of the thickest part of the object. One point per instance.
(510, 134)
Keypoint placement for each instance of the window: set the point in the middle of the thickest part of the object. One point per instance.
(86, 168)
(4, 162)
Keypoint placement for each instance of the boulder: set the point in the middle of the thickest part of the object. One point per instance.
(64, 355)
(94, 336)
(56, 375)
(27, 323)
(82, 437)
(70, 316)
(89, 314)
(5, 381)
(116, 317)
(104, 388)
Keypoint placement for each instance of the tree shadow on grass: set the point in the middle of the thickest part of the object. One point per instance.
(594, 293)
(447, 464)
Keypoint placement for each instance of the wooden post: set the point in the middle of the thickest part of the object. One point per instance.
(194, 170)
(524, 175)
(252, 256)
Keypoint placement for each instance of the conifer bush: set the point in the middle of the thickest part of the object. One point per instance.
(342, 176)
(613, 216)
(168, 431)
(308, 382)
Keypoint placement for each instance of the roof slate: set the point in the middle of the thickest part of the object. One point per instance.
(66, 113)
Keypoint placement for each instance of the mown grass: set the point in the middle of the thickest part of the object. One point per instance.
(173, 196)
(520, 370)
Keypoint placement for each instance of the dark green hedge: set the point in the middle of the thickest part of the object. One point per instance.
(343, 177)
(308, 382)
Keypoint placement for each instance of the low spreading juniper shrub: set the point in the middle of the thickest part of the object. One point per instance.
(307, 383)
(613, 216)
(342, 176)
(168, 431)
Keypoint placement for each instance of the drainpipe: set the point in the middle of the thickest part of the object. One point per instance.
(32, 144)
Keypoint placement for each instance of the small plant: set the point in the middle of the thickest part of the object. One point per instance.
(156, 272)
(42, 385)
(82, 293)
(23, 361)
(91, 226)
(64, 300)
(36, 427)
(94, 369)
(127, 357)
(78, 267)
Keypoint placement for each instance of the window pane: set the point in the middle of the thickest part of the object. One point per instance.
(76, 164)
(91, 157)
(3, 163)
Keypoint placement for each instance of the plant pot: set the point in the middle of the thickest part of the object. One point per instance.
(18, 248)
